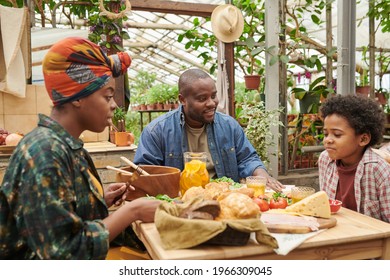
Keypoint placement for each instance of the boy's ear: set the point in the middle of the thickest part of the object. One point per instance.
(365, 139)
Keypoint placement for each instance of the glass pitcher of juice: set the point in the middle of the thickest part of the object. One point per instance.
(195, 173)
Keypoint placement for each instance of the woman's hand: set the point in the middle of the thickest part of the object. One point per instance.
(144, 208)
(116, 193)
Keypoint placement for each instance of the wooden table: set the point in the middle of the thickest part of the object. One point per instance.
(355, 236)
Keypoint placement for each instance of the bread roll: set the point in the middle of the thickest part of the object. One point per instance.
(214, 189)
(238, 206)
(192, 193)
(247, 191)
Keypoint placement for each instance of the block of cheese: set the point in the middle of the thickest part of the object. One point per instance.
(316, 205)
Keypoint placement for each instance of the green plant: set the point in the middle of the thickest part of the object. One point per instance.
(315, 92)
(258, 121)
(133, 124)
(119, 118)
(156, 94)
(173, 94)
(139, 86)
(384, 67)
(252, 41)
(248, 47)
(243, 95)
(107, 32)
(142, 100)
(363, 78)
(380, 10)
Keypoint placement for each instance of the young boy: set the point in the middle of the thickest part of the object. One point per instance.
(349, 170)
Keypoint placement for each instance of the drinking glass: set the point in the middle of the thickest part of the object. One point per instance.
(257, 183)
(299, 193)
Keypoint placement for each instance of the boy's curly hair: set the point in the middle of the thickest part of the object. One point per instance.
(363, 114)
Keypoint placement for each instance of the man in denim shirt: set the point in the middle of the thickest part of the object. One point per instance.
(196, 126)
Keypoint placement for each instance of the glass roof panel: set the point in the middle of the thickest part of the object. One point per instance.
(153, 41)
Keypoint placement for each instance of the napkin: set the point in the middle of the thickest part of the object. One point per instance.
(288, 242)
(179, 233)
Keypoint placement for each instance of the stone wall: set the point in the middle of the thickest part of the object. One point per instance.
(21, 114)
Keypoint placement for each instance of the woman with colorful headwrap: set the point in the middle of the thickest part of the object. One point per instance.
(52, 203)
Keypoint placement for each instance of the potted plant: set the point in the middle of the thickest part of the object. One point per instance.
(156, 96)
(142, 102)
(309, 99)
(251, 43)
(383, 60)
(242, 96)
(363, 86)
(170, 96)
(139, 87)
(119, 119)
(118, 123)
(247, 48)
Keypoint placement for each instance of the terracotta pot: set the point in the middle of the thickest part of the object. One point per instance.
(252, 81)
(124, 138)
(142, 107)
(159, 106)
(167, 106)
(151, 106)
(162, 180)
(381, 98)
(363, 90)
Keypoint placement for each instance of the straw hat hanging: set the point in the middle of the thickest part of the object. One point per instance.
(227, 23)
(111, 15)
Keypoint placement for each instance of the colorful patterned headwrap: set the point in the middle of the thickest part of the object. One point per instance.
(74, 68)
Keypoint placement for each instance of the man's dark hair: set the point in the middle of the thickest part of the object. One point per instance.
(363, 114)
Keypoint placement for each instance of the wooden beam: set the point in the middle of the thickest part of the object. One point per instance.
(164, 49)
(146, 25)
(229, 58)
(169, 7)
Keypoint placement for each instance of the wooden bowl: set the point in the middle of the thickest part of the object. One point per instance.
(162, 180)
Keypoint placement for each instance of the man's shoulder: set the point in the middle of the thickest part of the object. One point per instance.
(226, 121)
(219, 116)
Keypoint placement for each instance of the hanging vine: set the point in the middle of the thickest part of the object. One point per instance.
(106, 26)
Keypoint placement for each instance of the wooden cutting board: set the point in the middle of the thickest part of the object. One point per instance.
(324, 223)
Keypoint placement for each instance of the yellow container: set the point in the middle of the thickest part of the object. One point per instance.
(195, 173)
